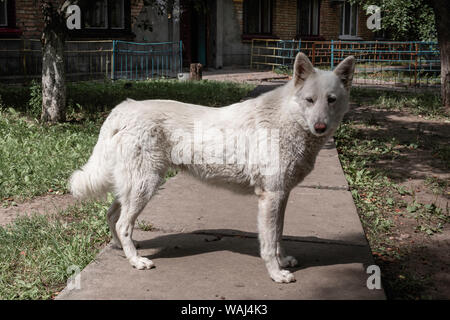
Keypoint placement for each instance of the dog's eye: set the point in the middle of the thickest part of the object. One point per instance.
(331, 99)
(310, 100)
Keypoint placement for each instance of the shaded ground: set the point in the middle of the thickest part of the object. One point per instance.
(417, 262)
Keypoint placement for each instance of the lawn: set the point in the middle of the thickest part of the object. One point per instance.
(394, 150)
(35, 159)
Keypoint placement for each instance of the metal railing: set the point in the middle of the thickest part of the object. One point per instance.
(139, 61)
(21, 60)
(402, 64)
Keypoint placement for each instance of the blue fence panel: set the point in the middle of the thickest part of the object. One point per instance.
(141, 61)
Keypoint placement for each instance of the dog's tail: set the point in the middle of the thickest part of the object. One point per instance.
(93, 180)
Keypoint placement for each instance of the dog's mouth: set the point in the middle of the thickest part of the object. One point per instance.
(320, 134)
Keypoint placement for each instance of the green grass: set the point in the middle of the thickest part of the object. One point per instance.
(36, 251)
(380, 200)
(35, 158)
(372, 191)
(403, 77)
(426, 104)
(375, 194)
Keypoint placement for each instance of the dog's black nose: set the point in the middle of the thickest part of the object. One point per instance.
(320, 127)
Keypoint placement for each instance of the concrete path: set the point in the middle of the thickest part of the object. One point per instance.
(205, 246)
(242, 75)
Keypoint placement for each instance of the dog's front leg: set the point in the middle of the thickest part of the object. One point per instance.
(283, 259)
(270, 218)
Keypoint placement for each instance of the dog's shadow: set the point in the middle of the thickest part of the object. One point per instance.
(309, 251)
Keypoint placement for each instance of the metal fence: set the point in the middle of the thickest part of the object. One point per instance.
(139, 61)
(21, 60)
(400, 64)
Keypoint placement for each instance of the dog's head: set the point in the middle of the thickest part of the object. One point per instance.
(321, 97)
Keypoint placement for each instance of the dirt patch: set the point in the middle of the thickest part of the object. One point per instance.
(421, 270)
(46, 204)
(243, 75)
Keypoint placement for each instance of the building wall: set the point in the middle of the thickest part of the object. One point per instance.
(284, 19)
(236, 48)
(235, 51)
(363, 31)
(330, 18)
(29, 17)
(163, 29)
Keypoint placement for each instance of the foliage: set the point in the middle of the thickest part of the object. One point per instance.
(35, 102)
(405, 20)
(92, 97)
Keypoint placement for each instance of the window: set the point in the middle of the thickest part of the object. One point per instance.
(103, 14)
(96, 14)
(308, 17)
(258, 17)
(3, 14)
(349, 19)
(117, 15)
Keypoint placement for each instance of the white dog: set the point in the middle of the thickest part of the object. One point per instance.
(140, 140)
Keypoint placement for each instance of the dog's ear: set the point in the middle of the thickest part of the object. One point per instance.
(302, 69)
(345, 71)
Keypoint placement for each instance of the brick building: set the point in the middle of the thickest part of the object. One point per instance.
(101, 19)
(217, 34)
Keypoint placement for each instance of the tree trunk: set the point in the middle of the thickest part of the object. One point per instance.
(196, 71)
(441, 10)
(53, 73)
(53, 78)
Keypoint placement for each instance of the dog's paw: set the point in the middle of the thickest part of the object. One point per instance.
(288, 261)
(141, 263)
(282, 276)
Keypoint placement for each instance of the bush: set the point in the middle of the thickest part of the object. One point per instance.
(92, 97)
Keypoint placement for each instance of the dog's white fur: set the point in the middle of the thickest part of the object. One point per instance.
(135, 145)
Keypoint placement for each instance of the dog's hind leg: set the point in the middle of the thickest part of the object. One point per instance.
(132, 203)
(112, 216)
(270, 205)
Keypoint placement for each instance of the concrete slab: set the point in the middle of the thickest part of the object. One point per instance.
(186, 204)
(192, 266)
(327, 171)
(205, 245)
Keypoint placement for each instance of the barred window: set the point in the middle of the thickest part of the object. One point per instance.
(103, 14)
(258, 16)
(308, 17)
(3, 13)
(349, 19)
